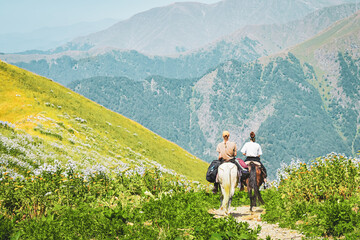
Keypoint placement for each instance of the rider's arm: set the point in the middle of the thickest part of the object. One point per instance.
(259, 151)
(243, 150)
(218, 150)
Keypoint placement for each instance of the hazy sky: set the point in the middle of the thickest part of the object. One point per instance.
(28, 15)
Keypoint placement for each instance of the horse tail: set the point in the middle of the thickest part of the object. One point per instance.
(253, 184)
(252, 178)
(227, 186)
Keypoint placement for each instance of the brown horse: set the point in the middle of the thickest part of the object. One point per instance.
(253, 183)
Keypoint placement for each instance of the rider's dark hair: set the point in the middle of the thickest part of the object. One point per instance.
(252, 136)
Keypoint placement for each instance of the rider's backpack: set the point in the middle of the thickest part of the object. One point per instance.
(212, 171)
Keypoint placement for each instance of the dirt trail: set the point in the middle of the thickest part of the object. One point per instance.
(243, 214)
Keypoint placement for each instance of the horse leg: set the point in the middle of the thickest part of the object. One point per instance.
(227, 211)
(260, 199)
(258, 196)
(221, 200)
(250, 196)
(259, 182)
(252, 186)
(249, 192)
(253, 200)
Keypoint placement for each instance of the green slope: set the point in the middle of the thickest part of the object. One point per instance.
(340, 37)
(338, 32)
(69, 126)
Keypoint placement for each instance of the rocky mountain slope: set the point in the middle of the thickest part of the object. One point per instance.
(335, 56)
(301, 105)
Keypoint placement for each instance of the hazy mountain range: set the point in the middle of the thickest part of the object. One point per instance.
(302, 103)
(245, 45)
(167, 30)
(50, 37)
(186, 26)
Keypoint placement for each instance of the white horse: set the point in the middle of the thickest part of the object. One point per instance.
(228, 178)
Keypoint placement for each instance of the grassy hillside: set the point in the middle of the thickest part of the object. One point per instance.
(71, 126)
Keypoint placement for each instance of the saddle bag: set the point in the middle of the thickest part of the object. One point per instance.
(212, 171)
(242, 163)
(245, 174)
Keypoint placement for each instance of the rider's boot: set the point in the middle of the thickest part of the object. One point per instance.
(216, 187)
(241, 187)
(265, 184)
(240, 184)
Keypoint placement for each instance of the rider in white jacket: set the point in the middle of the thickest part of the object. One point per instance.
(252, 151)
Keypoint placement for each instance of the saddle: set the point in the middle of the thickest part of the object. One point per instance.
(245, 170)
(254, 162)
(259, 165)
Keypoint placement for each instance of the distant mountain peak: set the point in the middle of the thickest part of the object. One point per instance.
(191, 25)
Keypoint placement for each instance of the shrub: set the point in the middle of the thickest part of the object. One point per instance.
(6, 227)
(321, 198)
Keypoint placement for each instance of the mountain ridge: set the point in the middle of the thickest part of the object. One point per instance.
(134, 65)
(207, 23)
(281, 98)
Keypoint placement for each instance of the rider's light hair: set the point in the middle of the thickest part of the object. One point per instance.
(226, 134)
